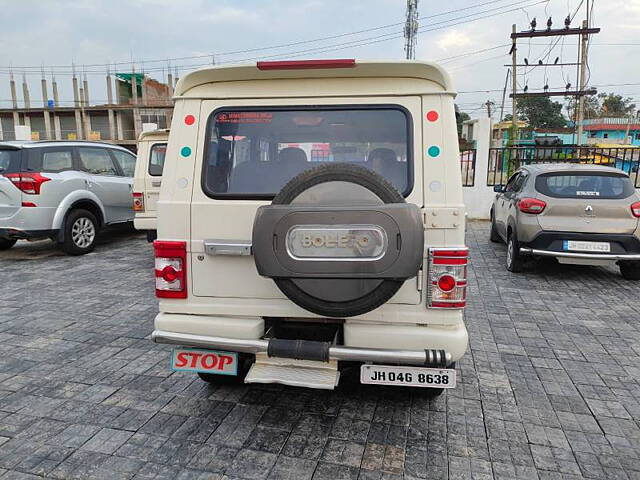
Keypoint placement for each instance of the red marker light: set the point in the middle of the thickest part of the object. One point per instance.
(432, 116)
(189, 119)
(306, 64)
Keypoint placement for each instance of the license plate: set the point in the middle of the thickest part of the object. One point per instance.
(581, 246)
(205, 361)
(408, 376)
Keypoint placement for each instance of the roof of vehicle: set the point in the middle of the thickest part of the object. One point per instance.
(57, 143)
(375, 68)
(161, 133)
(539, 168)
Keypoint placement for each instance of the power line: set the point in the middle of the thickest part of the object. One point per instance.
(320, 49)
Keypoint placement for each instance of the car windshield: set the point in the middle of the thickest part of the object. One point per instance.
(255, 152)
(584, 185)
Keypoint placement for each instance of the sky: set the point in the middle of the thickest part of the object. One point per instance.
(470, 38)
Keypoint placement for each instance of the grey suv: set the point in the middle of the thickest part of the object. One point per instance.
(579, 214)
(66, 191)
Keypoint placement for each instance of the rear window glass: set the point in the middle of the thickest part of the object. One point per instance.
(50, 159)
(584, 185)
(156, 159)
(10, 161)
(253, 153)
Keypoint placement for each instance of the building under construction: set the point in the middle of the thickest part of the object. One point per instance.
(132, 99)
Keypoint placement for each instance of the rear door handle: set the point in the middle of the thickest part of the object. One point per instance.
(156, 184)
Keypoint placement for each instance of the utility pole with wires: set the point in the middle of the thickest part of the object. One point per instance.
(581, 89)
(489, 104)
(411, 29)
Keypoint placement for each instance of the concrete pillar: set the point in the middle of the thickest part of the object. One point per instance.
(86, 124)
(144, 91)
(54, 86)
(76, 98)
(167, 115)
(137, 122)
(170, 84)
(134, 88)
(47, 118)
(478, 198)
(119, 134)
(43, 84)
(1, 132)
(79, 135)
(25, 92)
(109, 90)
(81, 92)
(14, 96)
(57, 129)
(27, 121)
(112, 125)
(85, 84)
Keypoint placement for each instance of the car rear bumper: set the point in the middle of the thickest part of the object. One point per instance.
(580, 255)
(363, 342)
(621, 245)
(145, 222)
(28, 222)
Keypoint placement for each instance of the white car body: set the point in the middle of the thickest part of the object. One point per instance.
(225, 297)
(148, 176)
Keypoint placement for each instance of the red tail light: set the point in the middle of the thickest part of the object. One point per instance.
(635, 209)
(307, 64)
(447, 277)
(138, 202)
(171, 269)
(531, 205)
(27, 182)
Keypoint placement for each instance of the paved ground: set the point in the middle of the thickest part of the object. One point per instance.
(550, 388)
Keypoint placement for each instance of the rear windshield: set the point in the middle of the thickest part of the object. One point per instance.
(253, 153)
(584, 185)
(156, 159)
(10, 161)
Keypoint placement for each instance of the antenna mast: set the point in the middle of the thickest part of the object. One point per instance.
(411, 29)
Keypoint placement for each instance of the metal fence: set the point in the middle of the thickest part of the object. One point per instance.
(504, 161)
(468, 167)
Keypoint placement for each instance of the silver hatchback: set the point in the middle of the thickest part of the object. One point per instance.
(66, 191)
(579, 214)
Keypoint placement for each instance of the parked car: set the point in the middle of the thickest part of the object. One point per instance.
(576, 213)
(65, 191)
(152, 148)
(278, 259)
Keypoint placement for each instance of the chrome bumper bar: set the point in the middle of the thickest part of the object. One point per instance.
(353, 354)
(590, 256)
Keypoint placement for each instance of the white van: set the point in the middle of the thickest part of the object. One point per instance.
(152, 148)
(311, 219)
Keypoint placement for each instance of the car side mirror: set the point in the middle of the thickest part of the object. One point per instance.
(498, 188)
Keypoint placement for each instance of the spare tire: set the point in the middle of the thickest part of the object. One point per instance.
(362, 240)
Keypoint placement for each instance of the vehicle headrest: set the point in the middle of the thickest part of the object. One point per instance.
(292, 155)
(386, 155)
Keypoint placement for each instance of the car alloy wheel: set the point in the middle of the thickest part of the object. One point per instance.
(510, 248)
(83, 232)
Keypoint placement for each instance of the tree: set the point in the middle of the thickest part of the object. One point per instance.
(615, 105)
(592, 107)
(460, 117)
(541, 112)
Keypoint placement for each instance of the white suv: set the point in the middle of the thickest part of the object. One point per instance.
(152, 149)
(65, 191)
(311, 219)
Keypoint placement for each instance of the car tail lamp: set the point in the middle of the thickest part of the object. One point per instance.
(306, 64)
(447, 277)
(531, 205)
(138, 202)
(635, 209)
(171, 269)
(27, 182)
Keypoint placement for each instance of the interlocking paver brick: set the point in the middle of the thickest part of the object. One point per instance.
(550, 387)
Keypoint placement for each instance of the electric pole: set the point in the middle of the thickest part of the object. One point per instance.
(584, 39)
(514, 81)
(489, 104)
(411, 29)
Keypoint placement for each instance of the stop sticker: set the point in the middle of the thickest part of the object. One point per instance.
(205, 361)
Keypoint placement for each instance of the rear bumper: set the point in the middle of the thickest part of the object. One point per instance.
(340, 353)
(581, 255)
(28, 222)
(407, 344)
(622, 244)
(145, 222)
(26, 234)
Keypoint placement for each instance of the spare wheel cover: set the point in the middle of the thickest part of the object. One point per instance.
(338, 185)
